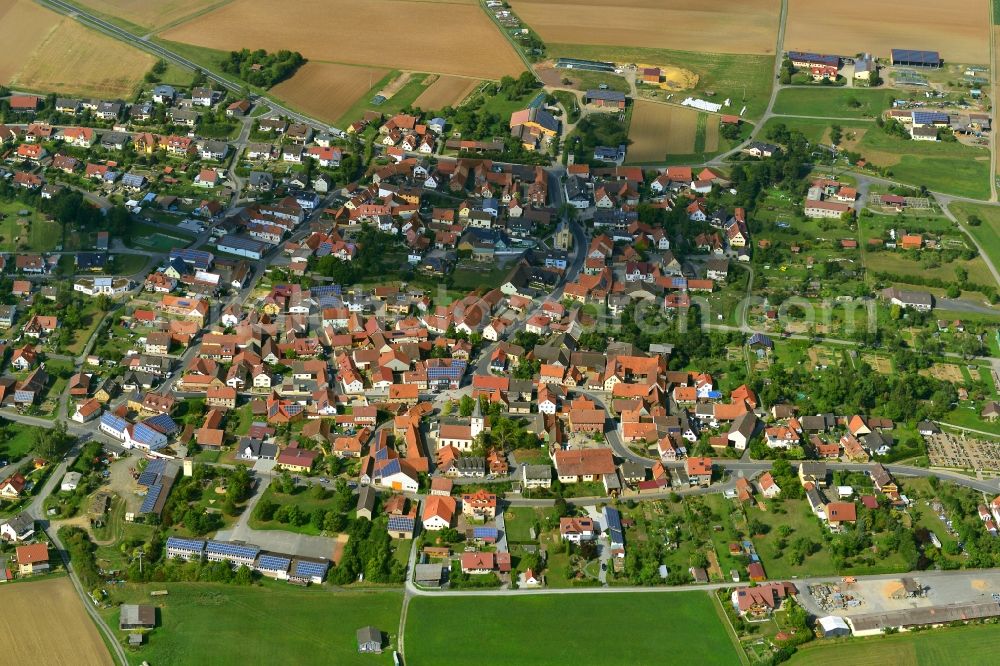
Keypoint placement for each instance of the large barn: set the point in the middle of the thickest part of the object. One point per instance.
(910, 58)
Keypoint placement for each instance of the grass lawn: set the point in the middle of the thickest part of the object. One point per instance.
(585, 80)
(515, 624)
(743, 79)
(126, 264)
(303, 500)
(39, 234)
(199, 623)
(470, 276)
(970, 646)
(815, 130)
(18, 441)
(833, 102)
(803, 522)
(940, 166)
(92, 318)
(519, 520)
(988, 233)
(149, 237)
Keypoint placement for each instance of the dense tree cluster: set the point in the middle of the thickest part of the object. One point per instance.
(260, 68)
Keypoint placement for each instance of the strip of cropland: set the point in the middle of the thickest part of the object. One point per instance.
(747, 27)
(959, 34)
(45, 622)
(326, 90)
(454, 38)
(543, 630)
(45, 52)
(139, 15)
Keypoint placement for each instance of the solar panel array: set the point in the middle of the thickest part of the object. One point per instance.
(185, 544)
(306, 569)
(148, 478)
(485, 533)
(925, 117)
(273, 563)
(391, 467)
(614, 520)
(916, 57)
(151, 497)
(163, 423)
(231, 549)
(400, 524)
(154, 470)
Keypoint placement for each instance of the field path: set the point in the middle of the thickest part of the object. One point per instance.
(993, 94)
(779, 50)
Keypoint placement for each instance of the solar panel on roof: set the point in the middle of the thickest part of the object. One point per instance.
(613, 517)
(400, 523)
(151, 497)
(391, 467)
(233, 549)
(485, 532)
(148, 478)
(273, 563)
(310, 569)
(185, 544)
(163, 423)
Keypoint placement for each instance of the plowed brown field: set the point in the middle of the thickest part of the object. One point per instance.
(418, 36)
(44, 622)
(446, 91)
(716, 26)
(959, 32)
(325, 90)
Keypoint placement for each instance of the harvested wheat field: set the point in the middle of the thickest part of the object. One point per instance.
(46, 623)
(44, 51)
(18, 41)
(445, 91)
(325, 90)
(417, 36)
(149, 13)
(960, 34)
(660, 129)
(719, 26)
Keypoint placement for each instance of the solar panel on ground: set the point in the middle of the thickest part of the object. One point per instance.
(307, 569)
(151, 497)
